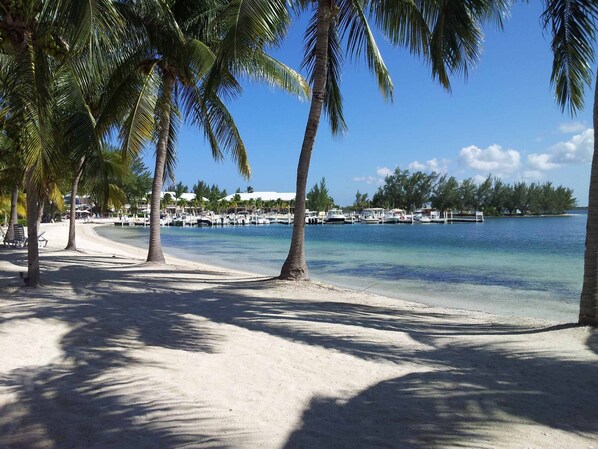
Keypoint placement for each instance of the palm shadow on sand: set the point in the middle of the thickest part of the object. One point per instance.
(475, 386)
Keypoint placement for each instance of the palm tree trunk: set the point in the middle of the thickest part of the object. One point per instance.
(32, 227)
(40, 212)
(72, 243)
(295, 266)
(588, 308)
(155, 254)
(14, 217)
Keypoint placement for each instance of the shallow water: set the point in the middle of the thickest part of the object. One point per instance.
(530, 267)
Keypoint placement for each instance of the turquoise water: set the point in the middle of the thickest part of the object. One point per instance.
(528, 267)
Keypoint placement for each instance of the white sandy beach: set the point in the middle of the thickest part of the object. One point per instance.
(114, 353)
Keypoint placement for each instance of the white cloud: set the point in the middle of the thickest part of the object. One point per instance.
(415, 165)
(577, 150)
(531, 175)
(433, 165)
(541, 161)
(571, 127)
(368, 179)
(383, 172)
(493, 159)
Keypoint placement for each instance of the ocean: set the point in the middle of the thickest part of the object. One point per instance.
(525, 267)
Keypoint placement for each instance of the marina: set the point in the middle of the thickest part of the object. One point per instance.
(333, 216)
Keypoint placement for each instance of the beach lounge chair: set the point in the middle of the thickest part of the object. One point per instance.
(41, 240)
(19, 240)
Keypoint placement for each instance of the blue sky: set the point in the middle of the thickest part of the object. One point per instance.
(502, 120)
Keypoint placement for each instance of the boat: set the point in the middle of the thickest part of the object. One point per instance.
(419, 217)
(286, 219)
(183, 220)
(259, 220)
(165, 220)
(394, 216)
(373, 215)
(210, 219)
(335, 216)
(311, 217)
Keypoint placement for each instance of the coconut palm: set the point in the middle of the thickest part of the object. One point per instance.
(36, 37)
(573, 24)
(447, 34)
(187, 56)
(84, 80)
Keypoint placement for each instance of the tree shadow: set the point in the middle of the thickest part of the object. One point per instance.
(121, 306)
(460, 406)
(90, 398)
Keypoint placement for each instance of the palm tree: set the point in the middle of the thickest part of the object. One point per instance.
(89, 156)
(447, 34)
(37, 36)
(574, 30)
(186, 55)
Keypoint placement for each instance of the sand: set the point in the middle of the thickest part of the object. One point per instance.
(115, 353)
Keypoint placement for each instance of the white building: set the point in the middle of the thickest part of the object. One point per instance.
(185, 196)
(264, 196)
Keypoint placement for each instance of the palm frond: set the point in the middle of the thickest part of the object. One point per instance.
(263, 67)
(455, 42)
(360, 41)
(333, 104)
(573, 27)
(171, 153)
(208, 111)
(404, 23)
(249, 24)
(139, 126)
(83, 23)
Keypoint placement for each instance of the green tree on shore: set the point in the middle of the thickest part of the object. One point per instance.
(493, 196)
(318, 198)
(361, 201)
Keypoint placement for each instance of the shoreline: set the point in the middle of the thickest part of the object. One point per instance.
(113, 352)
(459, 296)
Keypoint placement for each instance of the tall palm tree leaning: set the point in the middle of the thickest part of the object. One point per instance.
(447, 34)
(188, 55)
(573, 24)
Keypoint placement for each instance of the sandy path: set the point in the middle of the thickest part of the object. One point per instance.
(112, 353)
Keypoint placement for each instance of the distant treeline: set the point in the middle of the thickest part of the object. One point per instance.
(412, 191)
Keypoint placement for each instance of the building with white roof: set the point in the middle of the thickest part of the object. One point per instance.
(264, 196)
(185, 196)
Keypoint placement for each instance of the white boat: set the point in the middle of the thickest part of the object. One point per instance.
(165, 220)
(259, 220)
(284, 219)
(395, 216)
(335, 216)
(311, 217)
(210, 219)
(373, 215)
(421, 218)
(183, 220)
